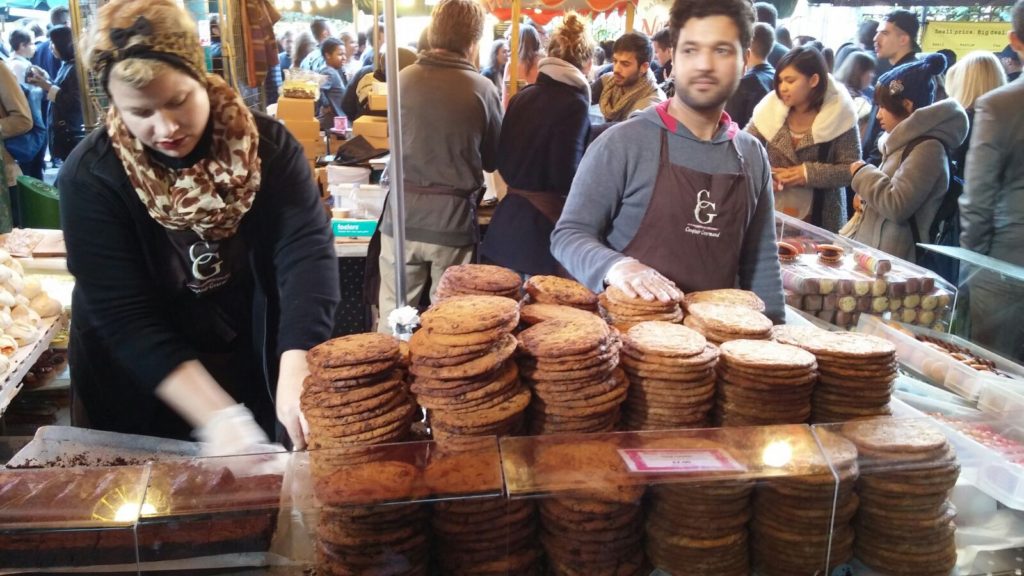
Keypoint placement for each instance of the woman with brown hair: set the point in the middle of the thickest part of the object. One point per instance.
(203, 260)
(809, 127)
(543, 136)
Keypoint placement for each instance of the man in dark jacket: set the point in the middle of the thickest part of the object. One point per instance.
(759, 79)
(451, 121)
(896, 43)
(766, 13)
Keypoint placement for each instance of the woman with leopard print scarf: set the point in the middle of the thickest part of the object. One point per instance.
(203, 261)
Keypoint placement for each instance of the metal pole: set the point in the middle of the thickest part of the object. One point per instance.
(375, 35)
(396, 172)
(90, 117)
(630, 16)
(513, 72)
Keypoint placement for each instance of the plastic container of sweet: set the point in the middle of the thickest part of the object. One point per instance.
(938, 367)
(1002, 399)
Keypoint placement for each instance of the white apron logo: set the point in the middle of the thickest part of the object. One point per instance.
(701, 210)
(206, 264)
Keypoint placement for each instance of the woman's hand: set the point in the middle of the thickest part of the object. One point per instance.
(858, 203)
(856, 166)
(292, 374)
(40, 82)
(792, 176)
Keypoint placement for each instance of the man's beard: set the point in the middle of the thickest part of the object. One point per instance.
(705, 101)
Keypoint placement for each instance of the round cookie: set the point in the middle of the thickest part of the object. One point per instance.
(733, 320)
(557, 290)
(467, 314)
(355, 349)
(730, 296)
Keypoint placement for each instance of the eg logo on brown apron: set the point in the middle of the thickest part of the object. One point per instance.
(702, 210)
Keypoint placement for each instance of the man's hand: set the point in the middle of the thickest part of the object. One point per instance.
(856, 166)
(640, 281)
(292, 374)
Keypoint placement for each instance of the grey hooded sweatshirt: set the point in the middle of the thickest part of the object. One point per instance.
(897, 190)
(613, 187)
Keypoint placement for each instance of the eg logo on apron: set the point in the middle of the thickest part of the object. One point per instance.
(207, 267)
(704, 212)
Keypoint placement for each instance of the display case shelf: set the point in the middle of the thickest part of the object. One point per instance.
(25, 358)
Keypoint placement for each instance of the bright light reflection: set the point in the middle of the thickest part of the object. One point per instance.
(777, 454)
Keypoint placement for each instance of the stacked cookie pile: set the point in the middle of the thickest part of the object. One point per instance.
(531, 314)
(904, 525)
(793, 531)
(762, 383)
(622, 310)
(724, 322)
(671, 371)
(562, 291)
(478, 279)
(571, 367)
(389, 539)
(599, 530)
(354, 398)
(462, 367)
(464, 374)
(482, 536)
(486, 537)
(856, 376)
(727, 296)
(355, 394)
(700, 530)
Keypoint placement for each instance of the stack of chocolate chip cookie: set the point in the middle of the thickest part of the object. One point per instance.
(355, 395)
(599, 530)
(479, 279)
(556, 290)
(482, 536)
(793, 517)
(904, 525)
(462, 367)
(856, 372)
(373, 540)
(571, 367)
(728, 296)
(762, 383)
(724, 322)
(622, 310)
(671, 371)
(700, 530)
(531, 314)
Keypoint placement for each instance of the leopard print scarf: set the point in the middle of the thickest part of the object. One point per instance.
(212, 196)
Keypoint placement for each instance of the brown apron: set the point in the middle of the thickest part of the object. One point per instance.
(693, 229)
(547, 203)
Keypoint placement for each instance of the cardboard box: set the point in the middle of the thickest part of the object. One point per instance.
(303, 129)
(295, 109)
(378, 97)
(353, 228)
(370, 126)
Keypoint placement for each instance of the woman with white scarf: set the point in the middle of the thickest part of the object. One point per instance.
(203, 259)
(543, 135)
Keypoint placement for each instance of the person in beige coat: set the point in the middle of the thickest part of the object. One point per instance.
(15, 119)
(809, 127)
(901, 191)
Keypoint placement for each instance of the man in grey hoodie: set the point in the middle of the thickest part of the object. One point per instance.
(451, 122)
(677, 197)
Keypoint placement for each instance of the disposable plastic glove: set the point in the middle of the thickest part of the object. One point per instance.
(640, 281)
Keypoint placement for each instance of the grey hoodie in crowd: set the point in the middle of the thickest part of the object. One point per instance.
(897, 190)
(613, 187)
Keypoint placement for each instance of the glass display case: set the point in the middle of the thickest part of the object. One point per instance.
(913, 494)
(838, 280)
(991, 303)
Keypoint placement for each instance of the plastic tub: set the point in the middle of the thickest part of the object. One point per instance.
(938, 367)
(1002, 399)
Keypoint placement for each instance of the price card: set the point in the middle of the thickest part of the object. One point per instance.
(680, 460)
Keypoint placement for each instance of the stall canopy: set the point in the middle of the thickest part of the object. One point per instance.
(543, 11)
(915, 3)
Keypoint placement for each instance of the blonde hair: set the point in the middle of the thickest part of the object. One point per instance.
(571, 41)
(973, 76)
(174, 32)
(456, 25)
